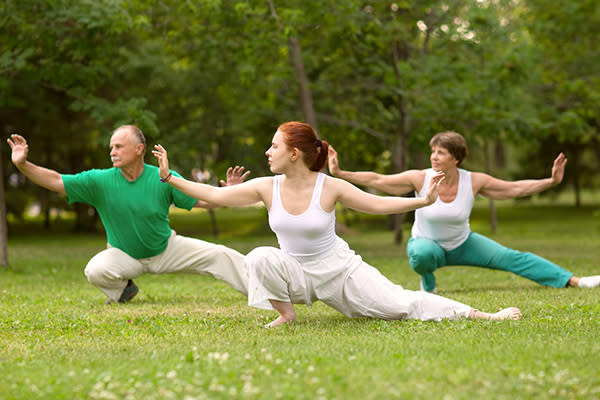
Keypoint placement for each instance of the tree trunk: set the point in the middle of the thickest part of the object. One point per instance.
(575, 171)
(400, 152)
(306, 100)
(211, 212)
(213, 222)
(86, 218)
(399, 163)
(45, 207)
(3, 227)
(45, 193)
(499, 154)
(488, 169)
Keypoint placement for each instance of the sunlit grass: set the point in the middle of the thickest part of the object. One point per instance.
(191, 337)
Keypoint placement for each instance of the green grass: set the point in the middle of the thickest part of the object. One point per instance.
(191, 337)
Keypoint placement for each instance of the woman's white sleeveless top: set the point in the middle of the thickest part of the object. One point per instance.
(446, 223)
(306, 235)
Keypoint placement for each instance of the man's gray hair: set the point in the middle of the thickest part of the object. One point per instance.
(138, 135)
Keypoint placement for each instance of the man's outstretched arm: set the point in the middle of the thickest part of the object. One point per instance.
(41, 176)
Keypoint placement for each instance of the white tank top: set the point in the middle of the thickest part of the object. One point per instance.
(307, 235)
(446, 223)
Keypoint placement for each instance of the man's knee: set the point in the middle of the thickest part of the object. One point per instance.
(101, 268)
(94, 272)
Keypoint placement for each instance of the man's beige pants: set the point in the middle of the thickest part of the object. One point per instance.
(110, 269)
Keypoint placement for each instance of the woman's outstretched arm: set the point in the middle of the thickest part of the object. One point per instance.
(352, 197)
(499, 189)
(396, 184)
(243, 194)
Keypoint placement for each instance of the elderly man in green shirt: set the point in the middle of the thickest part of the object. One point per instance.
(133, 205)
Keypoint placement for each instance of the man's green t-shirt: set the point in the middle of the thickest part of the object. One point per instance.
(135, 214)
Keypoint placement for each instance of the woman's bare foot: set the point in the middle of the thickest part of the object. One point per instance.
(280, 321)
(287, 314)
(508, 313)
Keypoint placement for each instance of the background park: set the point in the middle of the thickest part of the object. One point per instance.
(211, 80)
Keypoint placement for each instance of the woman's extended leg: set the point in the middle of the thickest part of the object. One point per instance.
(370, 294)
(481, 251)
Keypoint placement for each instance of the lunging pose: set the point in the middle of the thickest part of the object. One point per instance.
(134, 205)
(313, 263)
(441, 235)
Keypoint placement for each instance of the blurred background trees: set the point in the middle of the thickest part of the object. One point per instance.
(212, 79)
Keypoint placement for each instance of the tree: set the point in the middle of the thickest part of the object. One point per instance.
(422, 67)
(568, 90)
(60, 83)
(3, 228)
(306, 98)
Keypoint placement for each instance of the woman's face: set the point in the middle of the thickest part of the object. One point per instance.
(441, 159)
(278, 154)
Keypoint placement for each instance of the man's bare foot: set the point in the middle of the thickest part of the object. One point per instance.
(280, 321)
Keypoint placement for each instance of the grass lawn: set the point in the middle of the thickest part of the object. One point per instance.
(192, 337)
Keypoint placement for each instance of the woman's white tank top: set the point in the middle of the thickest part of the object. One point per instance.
(306, 235)
(446, 223)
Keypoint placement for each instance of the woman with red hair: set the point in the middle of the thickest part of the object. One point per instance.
(312, 263)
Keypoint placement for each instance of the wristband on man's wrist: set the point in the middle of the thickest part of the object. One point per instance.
(166, 178)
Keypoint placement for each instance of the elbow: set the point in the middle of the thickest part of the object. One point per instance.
(59, 187)
(516, 194)
(378, 184)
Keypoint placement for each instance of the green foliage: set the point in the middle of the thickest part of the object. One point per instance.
(212, 80)
(570, 79)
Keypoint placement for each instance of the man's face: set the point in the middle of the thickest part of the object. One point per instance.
(124, 150)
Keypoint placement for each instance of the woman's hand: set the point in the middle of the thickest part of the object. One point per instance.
(332, 161)
(163, 162)
(434, 186)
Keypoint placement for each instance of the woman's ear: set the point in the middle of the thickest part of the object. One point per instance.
(295, 153)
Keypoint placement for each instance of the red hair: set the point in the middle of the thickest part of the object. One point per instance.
(303, 137)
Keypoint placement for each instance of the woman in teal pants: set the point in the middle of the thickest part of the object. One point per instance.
(441, 235)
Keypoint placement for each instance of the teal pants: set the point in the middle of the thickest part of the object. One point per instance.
(425, 256)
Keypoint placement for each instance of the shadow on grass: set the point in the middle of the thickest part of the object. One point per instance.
(491, 288)
(150, 300)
